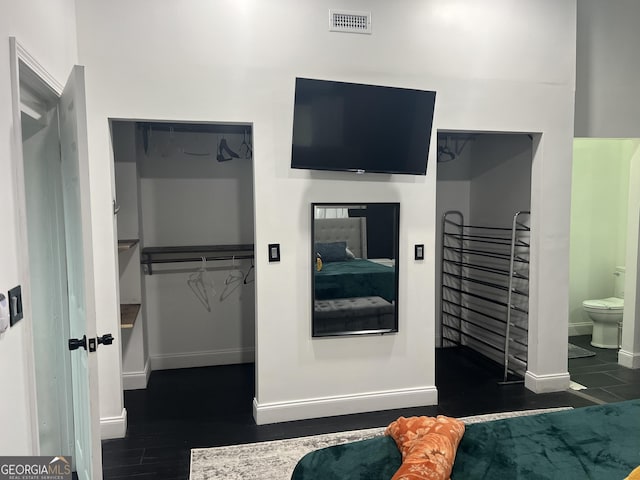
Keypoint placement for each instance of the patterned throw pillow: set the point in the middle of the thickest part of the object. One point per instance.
(428, 446)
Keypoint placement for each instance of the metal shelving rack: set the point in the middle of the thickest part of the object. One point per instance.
(485, 289)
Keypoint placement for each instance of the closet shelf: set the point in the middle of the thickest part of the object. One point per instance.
(193, 253)
(124, 245)
(128, 314)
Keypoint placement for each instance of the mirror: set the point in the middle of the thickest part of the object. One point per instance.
(354, 268)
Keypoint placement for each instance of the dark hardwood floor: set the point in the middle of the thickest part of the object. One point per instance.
(212, 406)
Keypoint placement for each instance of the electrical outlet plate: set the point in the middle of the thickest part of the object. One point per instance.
(15, 305)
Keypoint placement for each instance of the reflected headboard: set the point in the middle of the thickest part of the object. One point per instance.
(351, 230)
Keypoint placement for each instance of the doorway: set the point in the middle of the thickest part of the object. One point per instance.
(185, 227)
(483, 242)
(55, 258)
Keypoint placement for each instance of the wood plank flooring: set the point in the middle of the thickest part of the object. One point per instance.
(212, 406)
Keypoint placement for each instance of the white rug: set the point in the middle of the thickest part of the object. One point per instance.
(276, 460)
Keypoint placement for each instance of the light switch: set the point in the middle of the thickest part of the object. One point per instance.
(15, 305)
(419, 252)
(274, 252)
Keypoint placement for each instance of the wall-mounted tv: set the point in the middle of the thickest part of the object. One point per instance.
(361, 128)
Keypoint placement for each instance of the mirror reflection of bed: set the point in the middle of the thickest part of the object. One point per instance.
(354, 268)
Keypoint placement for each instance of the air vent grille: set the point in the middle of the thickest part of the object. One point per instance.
(349, 22)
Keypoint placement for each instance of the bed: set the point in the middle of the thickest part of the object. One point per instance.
(598, 442)
(351, 292)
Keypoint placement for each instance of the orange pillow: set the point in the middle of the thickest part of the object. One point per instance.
(428, 446)
(635, 475)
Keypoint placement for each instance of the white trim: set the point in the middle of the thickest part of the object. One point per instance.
(114, 427)
(343, 404)
(581, 328)
(25, 57)
(554, 382)
(42, 77)
(628, 359)
(202, 359)
(136, 380)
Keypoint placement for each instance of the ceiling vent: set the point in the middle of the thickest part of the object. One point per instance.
(349, 22)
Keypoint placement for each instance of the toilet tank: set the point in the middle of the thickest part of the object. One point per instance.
(618, 282)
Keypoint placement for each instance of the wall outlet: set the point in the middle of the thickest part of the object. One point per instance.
(15, 305)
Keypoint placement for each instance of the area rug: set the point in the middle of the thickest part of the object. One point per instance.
(578, 352)
(276, 460)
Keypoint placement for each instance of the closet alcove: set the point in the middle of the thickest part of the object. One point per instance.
(483, 242)
(185, 216)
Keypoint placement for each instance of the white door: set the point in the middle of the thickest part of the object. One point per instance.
(82, 322)
(77, 316)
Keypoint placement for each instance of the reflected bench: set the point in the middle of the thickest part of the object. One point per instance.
(353, 314)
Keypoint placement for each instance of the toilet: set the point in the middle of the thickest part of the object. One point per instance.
(606, 314)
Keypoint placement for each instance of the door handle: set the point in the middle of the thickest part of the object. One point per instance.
(106, 339)
(76, 343)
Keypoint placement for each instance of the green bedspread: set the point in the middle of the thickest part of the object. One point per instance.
(592, 443)
(355, 278)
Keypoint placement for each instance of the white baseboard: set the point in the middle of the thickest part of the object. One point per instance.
(583, 328)
(114, 427)
(628, 359)
(343, 405)
(556, 382)
(136, 380)
(202, 359)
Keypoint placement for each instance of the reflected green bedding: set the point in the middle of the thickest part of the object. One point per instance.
(355, 278)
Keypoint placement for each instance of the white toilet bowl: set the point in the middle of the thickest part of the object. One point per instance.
(606, 314)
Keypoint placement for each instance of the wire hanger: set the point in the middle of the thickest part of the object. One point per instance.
(233, 280)
(235, 274)
(201, 284)
(245, 148)
(251, 268)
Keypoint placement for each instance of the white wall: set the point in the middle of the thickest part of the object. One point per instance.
(501, 179)
(47, 30)
(496, 67)
(629, 354)
(135, 357)
(608, 69)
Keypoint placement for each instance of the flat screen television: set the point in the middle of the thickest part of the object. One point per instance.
(361, 128)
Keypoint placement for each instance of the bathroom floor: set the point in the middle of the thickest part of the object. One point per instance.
(606, 381)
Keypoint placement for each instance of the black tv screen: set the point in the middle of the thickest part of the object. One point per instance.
(361, 128)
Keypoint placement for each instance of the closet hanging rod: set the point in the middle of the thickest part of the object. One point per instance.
(199, 248)
(193, 253)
